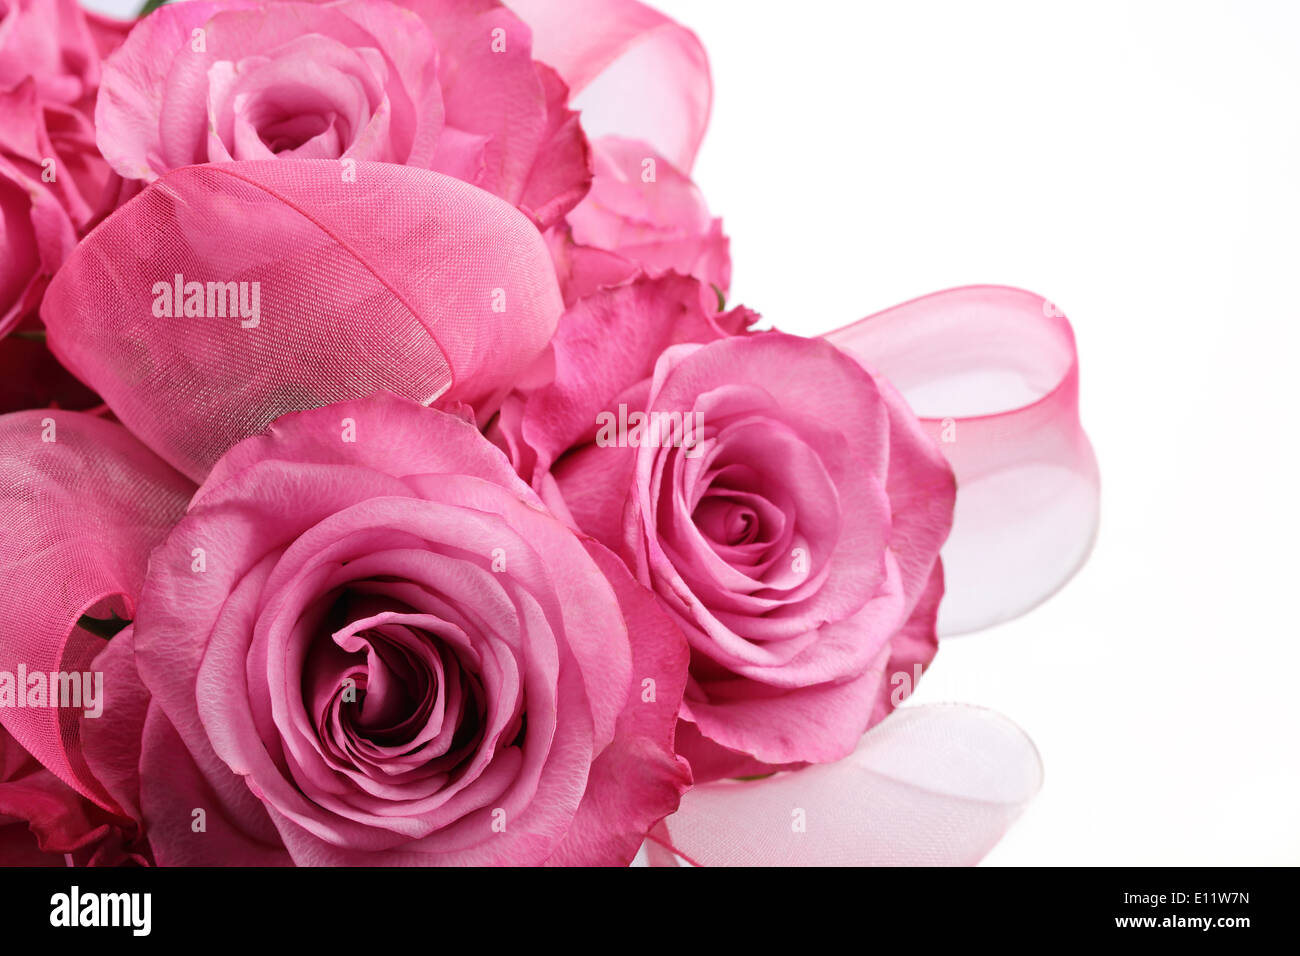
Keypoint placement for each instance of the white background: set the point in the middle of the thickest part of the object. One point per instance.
(1138, 164)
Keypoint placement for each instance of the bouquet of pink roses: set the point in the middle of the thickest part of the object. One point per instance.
(386, 480)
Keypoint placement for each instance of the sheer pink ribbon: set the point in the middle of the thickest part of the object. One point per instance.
(83, 504)
(632, 71)
(227, 295)
(994, 375)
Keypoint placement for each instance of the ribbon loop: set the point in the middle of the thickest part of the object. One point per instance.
(994, 375)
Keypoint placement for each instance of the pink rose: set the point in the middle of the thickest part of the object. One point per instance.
(108, 33)
(443, 85)
(44, 822)
(53, 145)
(787, 508)
(51, 41)
(368, 643)
(51, 174)
(35, 237)
(646, 214)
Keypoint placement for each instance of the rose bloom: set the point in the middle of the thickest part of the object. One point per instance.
(35, 236)
(53, 42)
(641, 215)
(51, 174)
(443, 85)
(53, 145)
(368, 644)
(793, 531)
(44, 822)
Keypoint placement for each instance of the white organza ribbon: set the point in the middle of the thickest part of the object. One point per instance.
(933, 785)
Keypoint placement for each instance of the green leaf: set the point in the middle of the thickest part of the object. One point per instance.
(722, 299)
(149, 7)
(102, 627)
